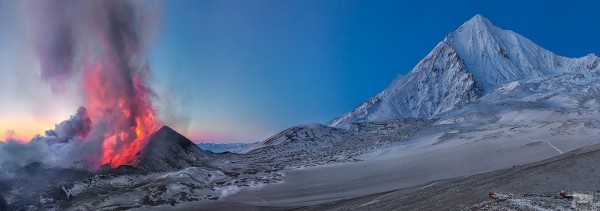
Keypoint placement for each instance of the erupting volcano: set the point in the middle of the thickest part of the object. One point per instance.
(105, 42)
(127, 116)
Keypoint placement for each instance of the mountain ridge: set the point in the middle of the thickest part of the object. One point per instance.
(468, 63)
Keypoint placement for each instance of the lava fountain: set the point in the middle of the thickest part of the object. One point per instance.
(101, 46)
(128, 117)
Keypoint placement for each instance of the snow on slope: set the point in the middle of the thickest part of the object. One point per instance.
(225, 147)
(474, 60)
(171, 170)
(519, 123)
(560, 94)
(485, 99)
(496, 57)
(308, 134)
(440, 82)
(310, 145)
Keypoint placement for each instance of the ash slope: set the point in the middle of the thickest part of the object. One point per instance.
(171, 170)
(518, 123)
(534, 118)
(465, 83)
(486, 99)
(224, 147)
(472, 124)
(315, 144)
(536, 184)
(470, 62)
(168, 150)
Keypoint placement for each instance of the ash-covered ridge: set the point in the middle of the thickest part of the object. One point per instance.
(170, 170)
(167, 150)
(470, 62)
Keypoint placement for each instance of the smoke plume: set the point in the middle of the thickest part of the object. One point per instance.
(101, 45)
(58, 148)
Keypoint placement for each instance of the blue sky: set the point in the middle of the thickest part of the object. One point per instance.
(244, 70)
(240, 71)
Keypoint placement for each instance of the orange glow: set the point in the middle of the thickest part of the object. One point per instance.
(24, 126)
(199, 136)
(130, 117)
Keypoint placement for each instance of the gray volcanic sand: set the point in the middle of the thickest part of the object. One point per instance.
(409, 169)
(578, 170)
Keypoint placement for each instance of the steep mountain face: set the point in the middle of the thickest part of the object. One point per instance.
(496, 57)
(472, 61)
(168, 150)
(438, 83)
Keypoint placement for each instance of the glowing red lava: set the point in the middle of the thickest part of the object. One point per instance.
(123, 109)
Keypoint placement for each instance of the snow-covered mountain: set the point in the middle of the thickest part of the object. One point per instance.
(484, 99)
(470, 62)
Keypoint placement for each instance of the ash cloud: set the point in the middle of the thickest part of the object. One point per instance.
(54, 39)
(78, 126)
(101, 46)
(58, 148)
(15, 154)
(68, 34)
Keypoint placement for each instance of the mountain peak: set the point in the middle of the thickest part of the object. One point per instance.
(479, 20)
(168, 150)
(477, 16)
(477, 23)
(167, 134)
(470, 62)
(495, 56)
(166, 129)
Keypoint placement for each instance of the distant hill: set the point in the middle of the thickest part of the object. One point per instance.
(230, 147)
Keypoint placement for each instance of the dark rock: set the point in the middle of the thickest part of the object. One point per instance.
(168, 150)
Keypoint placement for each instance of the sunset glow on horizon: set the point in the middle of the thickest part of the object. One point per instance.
(216, 82)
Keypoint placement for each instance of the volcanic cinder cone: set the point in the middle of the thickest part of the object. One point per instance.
(168, 150)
